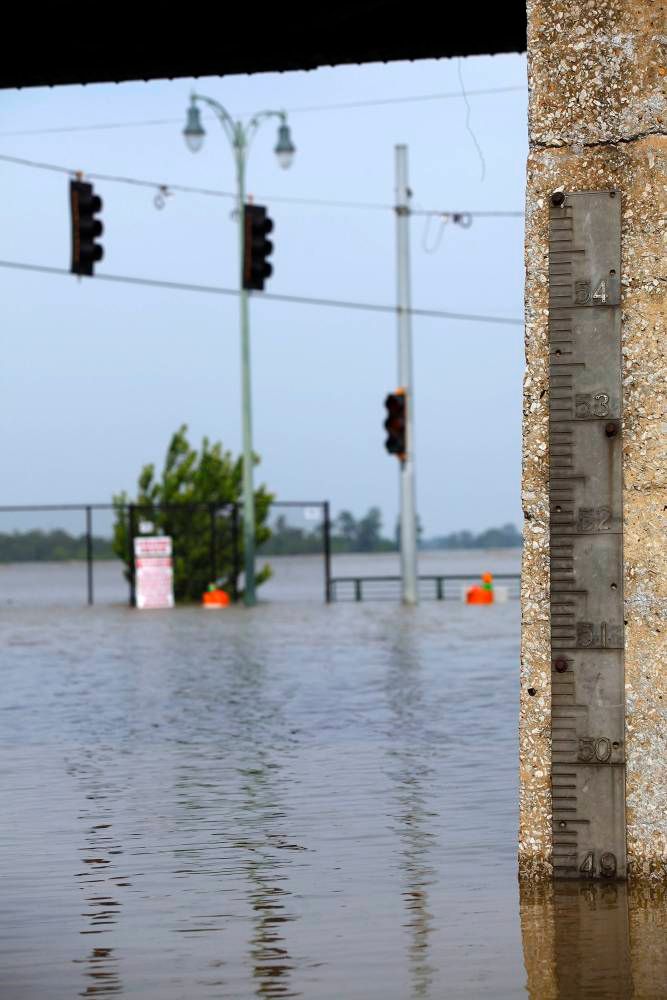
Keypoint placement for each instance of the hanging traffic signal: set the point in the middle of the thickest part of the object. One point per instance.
(256, 248)
(395, 423)
(84, 205)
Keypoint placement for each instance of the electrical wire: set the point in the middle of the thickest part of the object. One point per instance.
(344, 106)
(163, 188)
(481, 214)
(270, 296)
(379, 102)
(464, 95)
(119, 179)
(432, 245)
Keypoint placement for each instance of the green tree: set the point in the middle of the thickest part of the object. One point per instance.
(347, 528)
(369, 531)
(202, 535)
(363, 535)
(288, 540)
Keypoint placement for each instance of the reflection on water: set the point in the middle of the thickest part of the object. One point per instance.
(263, 866)
(100, 965)
(265, 776)
(413, 821)
(589, 941)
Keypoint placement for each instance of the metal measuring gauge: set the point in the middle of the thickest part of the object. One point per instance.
(586, 535)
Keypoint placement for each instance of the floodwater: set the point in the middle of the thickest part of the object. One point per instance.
(295, 578)
(290, 801)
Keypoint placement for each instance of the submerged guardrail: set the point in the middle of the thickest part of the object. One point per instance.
(437, 586)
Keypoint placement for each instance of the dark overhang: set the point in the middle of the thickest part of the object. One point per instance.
(95, 43)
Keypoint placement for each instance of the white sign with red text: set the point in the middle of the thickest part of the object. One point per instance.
(153, 572)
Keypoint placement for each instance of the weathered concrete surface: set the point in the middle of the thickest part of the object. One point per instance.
(597, 73)
(596, 69)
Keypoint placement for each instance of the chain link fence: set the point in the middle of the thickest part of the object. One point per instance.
(68, 554)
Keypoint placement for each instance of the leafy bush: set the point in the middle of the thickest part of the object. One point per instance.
(193, 502)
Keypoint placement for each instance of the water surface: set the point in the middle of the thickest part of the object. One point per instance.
(291, 801)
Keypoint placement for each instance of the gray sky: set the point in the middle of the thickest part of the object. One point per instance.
(96, 376)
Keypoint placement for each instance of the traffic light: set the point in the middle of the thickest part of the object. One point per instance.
(84, 205)
(256, 248)
(395, 423)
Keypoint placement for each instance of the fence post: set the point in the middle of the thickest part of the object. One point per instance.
(130, 544)
(89, 552)
(357, 589)
(327, 553)
(236, 553)
(438, 588)
(214, 540)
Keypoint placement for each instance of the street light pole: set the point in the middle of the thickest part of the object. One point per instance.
(408, 525)
(240, 138)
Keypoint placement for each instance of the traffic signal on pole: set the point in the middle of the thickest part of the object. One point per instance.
(256, 247)
(395, 423)
(84, 205)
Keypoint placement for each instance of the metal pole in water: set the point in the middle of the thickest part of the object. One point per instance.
(213, 542)
(89, 552)
(133, 568)
(235, 544)
(407, 471)
(326, 531)
(249, 598)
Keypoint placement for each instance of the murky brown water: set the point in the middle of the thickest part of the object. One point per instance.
(296, 801)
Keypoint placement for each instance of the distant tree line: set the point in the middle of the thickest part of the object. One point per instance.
(348, 534)
(50, 546)
(506, 537)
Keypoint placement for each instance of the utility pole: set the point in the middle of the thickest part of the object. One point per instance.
(407, 468)
(249, 598)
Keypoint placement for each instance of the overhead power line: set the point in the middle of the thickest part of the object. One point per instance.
(379, 102)
(270, 296)
(343, 106)
(164, 188)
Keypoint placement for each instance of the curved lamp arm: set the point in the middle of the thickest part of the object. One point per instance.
(223, 116)
(240, 137)
(257, 120)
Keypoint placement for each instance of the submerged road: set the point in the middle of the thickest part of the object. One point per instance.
(293, 801)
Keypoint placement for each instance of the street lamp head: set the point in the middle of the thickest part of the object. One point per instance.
(194, 130)
(285, 148)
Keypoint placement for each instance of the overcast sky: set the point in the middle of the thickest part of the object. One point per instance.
(95, 376)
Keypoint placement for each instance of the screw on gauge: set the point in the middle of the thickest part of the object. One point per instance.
(611, 429)
(560, 664)
(557, 198)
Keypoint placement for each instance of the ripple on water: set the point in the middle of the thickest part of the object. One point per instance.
(294, 802)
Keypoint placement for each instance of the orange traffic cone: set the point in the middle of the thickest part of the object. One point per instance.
(215, 598)
(483, 594)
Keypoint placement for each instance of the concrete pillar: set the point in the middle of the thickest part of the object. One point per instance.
(597, 72)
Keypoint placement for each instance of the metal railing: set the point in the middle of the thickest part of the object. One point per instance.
(438, 586)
